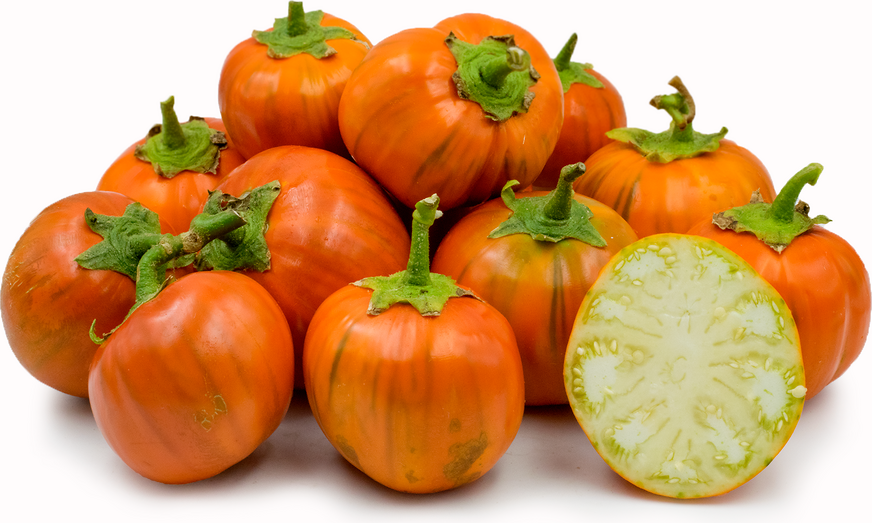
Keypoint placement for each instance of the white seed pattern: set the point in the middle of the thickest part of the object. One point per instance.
(682, 352)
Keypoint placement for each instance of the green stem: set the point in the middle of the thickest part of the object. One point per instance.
(425, 214)
(244, 248)
(553, 217)
(680, 141)
(782, 209)
(425, 291)
(152, 266)
(296, 19)
(150, 273)
(302, 32)
(171, 130)
(141, 243)
(126, 239)
(680, 105)
(495, 74)
(495, 71)
(172, 147)
(563, 58)
(559, 206)
(778, 223)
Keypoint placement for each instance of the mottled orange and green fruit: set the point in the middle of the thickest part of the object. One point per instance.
(413, 380)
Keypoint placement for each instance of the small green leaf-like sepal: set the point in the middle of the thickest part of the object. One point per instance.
(680, 141)
(429, 300)
(574, 72)
(495, 73)
(172, 147)
(778, 223)
(126, 239)
(292, 36)
(244, 248)
(577, 74)
(151, 277)
(416, 286)
(554, 217)
(663, 148)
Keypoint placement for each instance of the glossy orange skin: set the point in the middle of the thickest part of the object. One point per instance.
(49, 302)
(538, 286)
(195, 379)
(672, 197)
(588, 114)
(418, 404)
(824, 283)
(330, 225)
(405, 125)
(267, 102)
(176, 200)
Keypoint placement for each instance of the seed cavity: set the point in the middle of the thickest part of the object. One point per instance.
(608, 309)
(675, 470)
(640, 265)
(769, 390)
(599, 375)
(631, 432)
(725, 440)
(756, 318)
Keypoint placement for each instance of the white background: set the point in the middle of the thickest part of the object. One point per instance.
(82, 80)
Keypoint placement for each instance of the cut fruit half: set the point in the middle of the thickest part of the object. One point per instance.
(683, 367)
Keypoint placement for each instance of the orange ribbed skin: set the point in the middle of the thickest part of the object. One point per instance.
(672, 197)
(419, 404)
(195, 379)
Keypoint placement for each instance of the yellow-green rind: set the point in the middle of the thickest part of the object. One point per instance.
(684, 368)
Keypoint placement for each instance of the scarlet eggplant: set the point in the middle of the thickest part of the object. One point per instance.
(414, 381)
(668, 182)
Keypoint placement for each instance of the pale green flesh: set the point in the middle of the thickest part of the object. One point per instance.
(684, 368)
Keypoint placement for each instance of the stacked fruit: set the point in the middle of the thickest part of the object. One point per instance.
(201, 258)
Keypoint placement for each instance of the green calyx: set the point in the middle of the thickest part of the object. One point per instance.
(554, 217)
(574, 72)
(779, 222)
(416, 286)
(680, 141)
(126, 239)
(496, 74)
(151, 275)
(301, 32)
(172, 147)
(245, 247)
